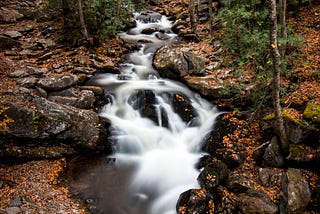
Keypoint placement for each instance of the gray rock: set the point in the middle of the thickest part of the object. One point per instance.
(231, 157)
(19, 74)
(8, 43)
(70, 92)
(27, 11)
(47, 43)
(70, 101)
(303, 154)
(13, 210)
(74, 97)
(194, 201)
(253, 201)
(11, 53)
(213, 174)
(150, 30)
(268, 177)
(162, 36)
(296, 193)
(28, 82)
(196, 63)
(45, 56)
(175, 62)
(155, 2)
(259, 152)
(272, 155)
(147, 17)
(41, 92)
(9, 15)
(24, 123)
(16, 202)
(58, 82)
(239, 182)
(224, 203)
(86, 100)
(13, 34)
(48, 120)
(97, 90)
(38, 71)
(69, 123)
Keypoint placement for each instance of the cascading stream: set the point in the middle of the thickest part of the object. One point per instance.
(157, 153)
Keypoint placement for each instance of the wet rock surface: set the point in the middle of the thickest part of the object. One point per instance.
(296, 193)
(253, 201)
(51, 122)
(34, 97)
(175, 62)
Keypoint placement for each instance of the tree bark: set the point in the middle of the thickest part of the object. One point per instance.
(82, 22)
(210, 17)
(283, 27)
(193, 18)
(119, 9)
(280, 129)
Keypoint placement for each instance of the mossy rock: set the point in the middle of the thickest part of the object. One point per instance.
(287, 113)
(312, 112)
(302, 153)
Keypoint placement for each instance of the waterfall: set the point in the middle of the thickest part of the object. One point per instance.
(158, 155)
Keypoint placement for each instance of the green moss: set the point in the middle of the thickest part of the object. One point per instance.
(268, 117)
(37, 121)
(312, 112)
(295, 150)
(287, 116)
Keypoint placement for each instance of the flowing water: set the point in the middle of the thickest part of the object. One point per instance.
(154, 159)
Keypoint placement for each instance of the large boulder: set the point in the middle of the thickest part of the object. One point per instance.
(224, 202)
(145, 101)
(83, 99)
(147, 17)
(213, 174)
(195, 201)
(295, 194)
(38, 121)
(254, 201)
(239, 182)
(272, 155)
(58, 82)
(174, 62)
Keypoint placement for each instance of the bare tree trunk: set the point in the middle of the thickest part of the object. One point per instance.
(118, 13)
(118, 9)
(193, 18)
(283, 30)
(280, 129)
(82, 23)
(210, 17)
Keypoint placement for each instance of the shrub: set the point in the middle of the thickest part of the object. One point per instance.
(104, 18)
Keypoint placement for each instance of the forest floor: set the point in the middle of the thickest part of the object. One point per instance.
(36, 182)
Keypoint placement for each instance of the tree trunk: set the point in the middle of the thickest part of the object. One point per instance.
(193, 18)
(82, 23)
(119, 5)
(280, 129)
(210, 17)
(118, 13)
(283, 30)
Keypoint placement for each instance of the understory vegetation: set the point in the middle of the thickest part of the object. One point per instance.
(245, 34)
(103, 18)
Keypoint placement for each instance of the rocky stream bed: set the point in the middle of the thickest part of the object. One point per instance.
(50, 129)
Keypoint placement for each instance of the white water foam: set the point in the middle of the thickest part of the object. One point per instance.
(164, 158)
